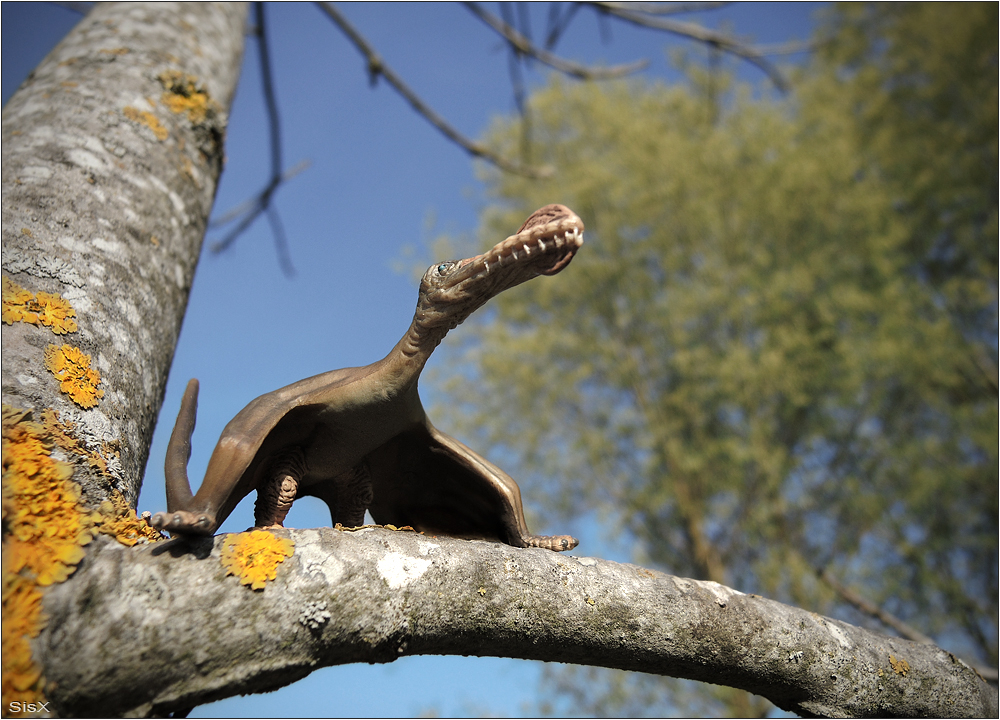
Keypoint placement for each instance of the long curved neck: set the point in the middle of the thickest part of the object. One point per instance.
(404, 363)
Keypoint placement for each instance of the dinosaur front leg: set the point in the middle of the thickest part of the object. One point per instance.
(276, 495)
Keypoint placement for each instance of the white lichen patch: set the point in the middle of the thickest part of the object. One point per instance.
(837, 633)
(35, 172)
(586, 561)
(86, 160)
(315, 560)
(398, 570)
(314, 615)
(721, 593)
(111, 247)
(425, 547)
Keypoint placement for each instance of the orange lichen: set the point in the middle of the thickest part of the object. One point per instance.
(900, 666)
(71, 366)
(114, 517)
(48, 309)
(44, 531)
(183, 95)
(254, 556)
(148, 119)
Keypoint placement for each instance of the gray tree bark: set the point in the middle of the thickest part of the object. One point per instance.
(107, 190)
(165, 629)
(111, 156)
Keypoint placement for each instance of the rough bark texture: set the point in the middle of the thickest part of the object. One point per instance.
(161, 628)
(108, 181)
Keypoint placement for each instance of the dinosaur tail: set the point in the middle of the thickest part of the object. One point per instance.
(179, 494)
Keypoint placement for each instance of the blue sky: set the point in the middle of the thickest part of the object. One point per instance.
(381, 184)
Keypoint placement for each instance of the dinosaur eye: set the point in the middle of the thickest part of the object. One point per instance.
(443, 268)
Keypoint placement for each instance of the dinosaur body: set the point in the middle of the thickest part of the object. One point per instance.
(358, 438)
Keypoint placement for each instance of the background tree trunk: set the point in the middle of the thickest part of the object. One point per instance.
(112, 154)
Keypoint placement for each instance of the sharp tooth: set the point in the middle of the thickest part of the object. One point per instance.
(527, 250)
(559, 241)
(541, 244)
(514, 253)
(487, 267)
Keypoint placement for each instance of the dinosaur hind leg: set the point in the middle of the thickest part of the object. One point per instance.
(276, 495)
(557, 543)
(348, 495)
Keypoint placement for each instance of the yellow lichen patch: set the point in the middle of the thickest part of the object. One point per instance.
(44, 531)
(48, 309)
(183, 95)
(900, 666)
(254, 556)
(22, 619)
(148, 119)
(115, 518)
(71, 366)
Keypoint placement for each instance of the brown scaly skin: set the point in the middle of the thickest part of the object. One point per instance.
(358, 438)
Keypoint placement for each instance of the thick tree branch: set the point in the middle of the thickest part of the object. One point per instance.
(377, 66)
(163, 628)
(524, 46)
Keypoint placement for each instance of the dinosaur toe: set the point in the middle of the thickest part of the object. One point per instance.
(556, 543)
(184, 522)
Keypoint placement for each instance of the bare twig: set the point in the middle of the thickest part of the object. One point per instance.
(558, 22)
(524, 46)
(668, 8)
(885, 617)
(262, 203)
(251, 204)
(376, 67)
(714, 38)
(869, 608)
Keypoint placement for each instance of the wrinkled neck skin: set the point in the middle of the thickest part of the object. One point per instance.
(451, 291)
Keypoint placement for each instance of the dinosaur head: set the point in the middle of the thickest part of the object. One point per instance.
(451, 291)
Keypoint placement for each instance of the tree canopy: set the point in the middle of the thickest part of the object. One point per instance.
(775, 364)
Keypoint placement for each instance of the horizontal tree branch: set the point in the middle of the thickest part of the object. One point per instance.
(161, 628)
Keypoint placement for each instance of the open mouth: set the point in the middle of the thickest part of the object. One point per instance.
(544, 248)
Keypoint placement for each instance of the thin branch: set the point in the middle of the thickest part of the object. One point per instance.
(280, 241)
(873, 610)
(885, 617)
(251, 204)
(724, 42)
(376, 67)
(524, 46)
(262, 202)
(557, 25)
(668, 8)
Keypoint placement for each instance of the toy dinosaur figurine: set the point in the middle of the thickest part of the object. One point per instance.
(359, 439)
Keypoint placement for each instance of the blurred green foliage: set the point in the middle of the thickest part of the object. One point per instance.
(777, 350)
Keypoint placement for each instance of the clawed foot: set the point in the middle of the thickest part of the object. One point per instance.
(556, 543)
(184, 522)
